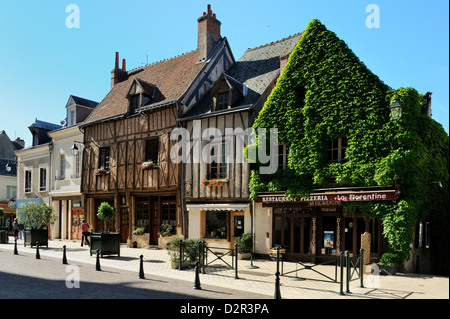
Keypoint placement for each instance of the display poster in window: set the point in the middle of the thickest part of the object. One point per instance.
(328, 239)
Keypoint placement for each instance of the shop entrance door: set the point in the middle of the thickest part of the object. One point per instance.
(293, 230)
(237, 218)
(77, 217)
(124, 224)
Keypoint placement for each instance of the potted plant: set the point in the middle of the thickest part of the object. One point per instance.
(245, 246)
(107, 243)
(173, 249)
(140, 237)
(388, 263)
(36, 218)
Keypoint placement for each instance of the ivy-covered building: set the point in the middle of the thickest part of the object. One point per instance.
(347, 166)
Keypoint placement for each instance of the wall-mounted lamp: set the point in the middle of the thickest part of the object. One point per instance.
(74, 147)
(396, 109)
(10, 165)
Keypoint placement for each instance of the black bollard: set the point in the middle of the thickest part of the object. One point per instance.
(64, 259)
(197, 276)
(277, 294)
(141, 268)
(97, 264)
(15, 247)
(38, 256)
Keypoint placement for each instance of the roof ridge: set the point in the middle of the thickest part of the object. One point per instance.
(274, 42)
(156, 62)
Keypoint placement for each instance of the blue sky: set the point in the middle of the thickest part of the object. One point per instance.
(43, 61)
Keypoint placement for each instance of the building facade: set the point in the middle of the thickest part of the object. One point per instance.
(65, 177)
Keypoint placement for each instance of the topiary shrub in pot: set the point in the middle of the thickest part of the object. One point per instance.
(107, 243)
(388, 263)
(36, 218)
(245, 246)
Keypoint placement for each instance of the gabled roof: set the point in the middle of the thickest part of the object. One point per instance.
(81, 101)
(172, 77)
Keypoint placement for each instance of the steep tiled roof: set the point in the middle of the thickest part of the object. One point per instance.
(172, 77)
(256, 69)
(258, 66)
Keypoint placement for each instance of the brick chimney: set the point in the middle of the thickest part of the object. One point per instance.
(117, 73)
(208, 34)
(283, 61)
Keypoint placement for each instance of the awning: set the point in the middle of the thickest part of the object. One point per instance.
(219, 206)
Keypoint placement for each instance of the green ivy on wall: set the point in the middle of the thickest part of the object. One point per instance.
(324, 93)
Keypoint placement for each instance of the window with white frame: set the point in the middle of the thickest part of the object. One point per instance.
(62, 167)
(10, 192)
(283, 151)
(336, 150)
(43, 178)
(77, 165)
(28, 180)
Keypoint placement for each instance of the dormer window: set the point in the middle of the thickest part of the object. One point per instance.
(226, 92)
(140, 94)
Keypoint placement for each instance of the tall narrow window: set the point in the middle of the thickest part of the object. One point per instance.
(218, 165)
(169, 215)
(283, 151)
(336, 150)
(103, 161)
(62, 166)
(77, 166)
(10, 192)
(135, 101)
(151, 150)
(27, 181)
(42, 179)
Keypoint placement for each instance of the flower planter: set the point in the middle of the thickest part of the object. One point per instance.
(244, 256)
(143, 241)
(106, 243)
(163, 241)
(176, 264)
(4, 235)
(36, 235)
(388, 270)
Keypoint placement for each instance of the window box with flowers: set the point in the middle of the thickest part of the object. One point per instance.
(213, 182)
(148, 165)
(101, 171)
(141, 238)
(165, 236)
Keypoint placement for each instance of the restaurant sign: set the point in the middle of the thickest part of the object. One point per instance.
(332, 198)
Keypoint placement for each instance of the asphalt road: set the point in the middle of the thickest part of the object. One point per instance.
(25, 277)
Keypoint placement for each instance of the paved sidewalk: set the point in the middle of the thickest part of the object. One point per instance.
(260, 280)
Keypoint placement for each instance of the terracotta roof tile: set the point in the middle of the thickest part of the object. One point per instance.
(172, 78)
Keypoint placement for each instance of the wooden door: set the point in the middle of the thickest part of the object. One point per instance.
(77, 217)
(237, 228)
(154, 223)
(124, 224)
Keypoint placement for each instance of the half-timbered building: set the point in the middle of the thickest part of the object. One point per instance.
(127, 144)
(216, 173)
